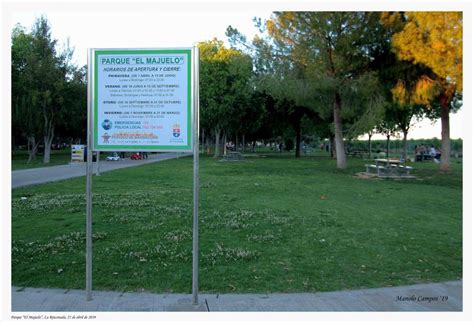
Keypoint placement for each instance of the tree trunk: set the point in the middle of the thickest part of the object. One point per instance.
(331, 146)
(48, 139)
(243, 143)
(405, 135)
(298, 138)
(32, 148)
(217, 134)
(370, 146)
(202, 141)
(13, 145)
(97, 163)
(445, 140)
(388, 146)
(338, 137)
(236, 142)
(224, 145)
(208, 146)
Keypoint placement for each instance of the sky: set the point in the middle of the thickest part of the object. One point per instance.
(161, 24)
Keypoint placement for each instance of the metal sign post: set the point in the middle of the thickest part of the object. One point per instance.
(97, 163)
(143, 100)
(89, 183)
(196, 178)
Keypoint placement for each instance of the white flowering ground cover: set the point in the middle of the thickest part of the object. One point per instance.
(270, 224)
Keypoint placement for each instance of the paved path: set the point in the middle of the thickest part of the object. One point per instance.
(56, 173)
(423, 297)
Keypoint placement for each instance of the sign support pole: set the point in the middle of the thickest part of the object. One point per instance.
(196, 177)
(89, 167)
(97, 170)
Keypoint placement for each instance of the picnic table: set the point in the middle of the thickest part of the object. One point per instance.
(389, 168)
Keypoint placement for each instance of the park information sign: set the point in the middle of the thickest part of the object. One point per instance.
(142, 99)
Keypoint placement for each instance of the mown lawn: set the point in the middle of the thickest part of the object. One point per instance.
(58, 157)
(268, 224)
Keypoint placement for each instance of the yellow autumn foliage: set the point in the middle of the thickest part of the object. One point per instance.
(422, 92)
(425, 90)
(278, 26)
(433, 39)
(214, 50)
(390, 19)
(400, 93)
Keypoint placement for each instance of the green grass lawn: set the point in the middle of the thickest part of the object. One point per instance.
(268, 224)
(58, 157)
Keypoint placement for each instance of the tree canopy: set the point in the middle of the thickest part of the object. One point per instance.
(336, 74)
(48, 90)
(433, 39)
(225, 92)
(333, 50)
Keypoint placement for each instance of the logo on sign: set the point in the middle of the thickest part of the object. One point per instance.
(107, 124)
(106, 138)
(176, 130)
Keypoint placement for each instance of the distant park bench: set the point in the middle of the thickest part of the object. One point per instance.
(358, 153)
(233, 155)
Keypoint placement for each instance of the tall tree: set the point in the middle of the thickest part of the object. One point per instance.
(42, 77)
(295, 98)
(252, 118)
(225, 87)
(287, 83)
(404, 111)
(388, 128)
(434, 39)
(25, 112)
(73, 125)
(336, 47)
(53, 69)
(399, 81)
